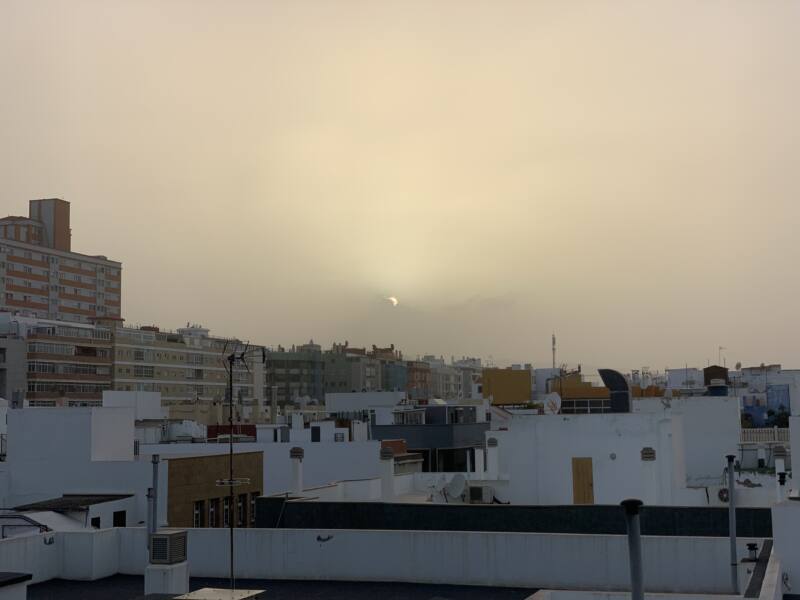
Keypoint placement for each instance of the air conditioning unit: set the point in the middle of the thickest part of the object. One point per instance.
(481, 494)
(168, 547)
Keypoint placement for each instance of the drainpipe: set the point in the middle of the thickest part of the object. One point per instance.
(492, 466)
(154, 495)
(387, 474)
(296, 454)
(732, 525)
(479, 464)
(634, 547)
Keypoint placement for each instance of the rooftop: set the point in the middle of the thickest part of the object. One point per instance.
(73, 502)
(130, 587)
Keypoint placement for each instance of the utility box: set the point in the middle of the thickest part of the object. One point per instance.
(168, 547)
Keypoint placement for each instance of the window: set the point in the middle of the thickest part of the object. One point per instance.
(213, 507)
(120, 518)
(138, 355)
(226, 511)
(141, 371)
(199, 513)
(95, 522)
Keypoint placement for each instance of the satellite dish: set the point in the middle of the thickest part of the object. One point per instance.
(455, 488)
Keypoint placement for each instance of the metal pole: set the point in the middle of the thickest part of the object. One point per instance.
(231, 505)
(634, 547)
(732, 526)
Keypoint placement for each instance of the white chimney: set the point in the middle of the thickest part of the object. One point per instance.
(296, 454)
(492, 459)
(387, 474)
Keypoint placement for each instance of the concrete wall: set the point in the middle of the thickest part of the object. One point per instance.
(466, 558)
(711, 427)
(146, 405)
(322, 464)
(690, 439)
(537, 450)
(786, 533)
(51, 452)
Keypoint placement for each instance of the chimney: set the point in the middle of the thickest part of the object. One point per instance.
(387, 474)
(296, 454)
(492, 459)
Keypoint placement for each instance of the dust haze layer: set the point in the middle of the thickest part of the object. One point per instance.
(621, 173)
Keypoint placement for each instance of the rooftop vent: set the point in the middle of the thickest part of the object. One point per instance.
(168, 547)
(648, 453)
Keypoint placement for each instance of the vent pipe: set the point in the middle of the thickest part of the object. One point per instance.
(153, 525)
(634, 547)
(296, 454)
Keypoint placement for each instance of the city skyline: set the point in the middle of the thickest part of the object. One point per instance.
(277, 171)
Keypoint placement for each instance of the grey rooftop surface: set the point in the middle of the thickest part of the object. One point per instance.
(7, 579)
(130, 587)
(72, 502)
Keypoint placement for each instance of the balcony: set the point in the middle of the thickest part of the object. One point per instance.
(766, 435)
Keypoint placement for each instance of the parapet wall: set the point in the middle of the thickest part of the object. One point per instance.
(590, 562)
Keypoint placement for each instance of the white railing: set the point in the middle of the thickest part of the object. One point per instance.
(767, 435)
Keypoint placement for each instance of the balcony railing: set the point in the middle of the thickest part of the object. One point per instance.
(766, 435)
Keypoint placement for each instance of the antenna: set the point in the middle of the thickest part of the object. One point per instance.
(554, 350)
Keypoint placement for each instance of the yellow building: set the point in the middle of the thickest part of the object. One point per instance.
(507, 386)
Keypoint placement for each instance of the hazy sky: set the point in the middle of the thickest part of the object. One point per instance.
(624, 173)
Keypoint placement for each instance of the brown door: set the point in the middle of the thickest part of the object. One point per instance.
(582, 481)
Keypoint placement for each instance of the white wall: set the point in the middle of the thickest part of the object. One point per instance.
(113, 432)
(466, 558)
(786, 533)
(323, 462)
(536, 458)
(52, 451)
(146, 405)
(711, 430)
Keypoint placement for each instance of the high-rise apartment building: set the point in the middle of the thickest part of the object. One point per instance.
(295, 373)
(53, 363)
(349, 369)
(186, 366)
(40, 275)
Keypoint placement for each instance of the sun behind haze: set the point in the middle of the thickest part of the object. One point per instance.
(623, 173)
